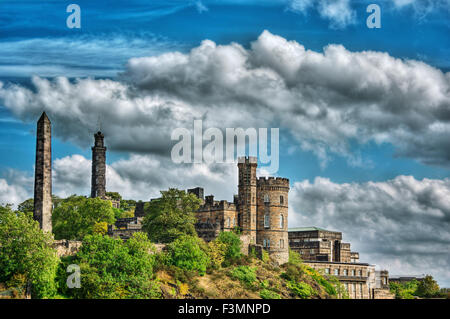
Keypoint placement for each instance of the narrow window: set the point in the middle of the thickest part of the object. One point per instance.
(336, 272)
(264, 243)
(228, 221)
(353, 272)
(281, 221)
(281, 243)
(281, 200)
(266, 221)
(266, 198)
(268, 242)
(345, 272)
(327, 271)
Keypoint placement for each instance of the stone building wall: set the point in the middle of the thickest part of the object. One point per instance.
(356, 278)
(66, 247)
(272, 205)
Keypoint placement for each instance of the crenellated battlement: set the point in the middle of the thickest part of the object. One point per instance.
(273, 181)
(218, 205)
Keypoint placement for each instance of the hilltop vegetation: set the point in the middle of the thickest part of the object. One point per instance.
(111, 268)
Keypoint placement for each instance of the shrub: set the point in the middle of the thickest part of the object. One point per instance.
(294, 258)
(245, 274)
(269, 294)
(186, 252)
(217, 251)
(233, 245)
(111, 268)
(301, 289)
(26, 253)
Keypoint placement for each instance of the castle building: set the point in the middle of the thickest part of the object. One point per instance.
(324, 250)
(43, 174)
(260, 211)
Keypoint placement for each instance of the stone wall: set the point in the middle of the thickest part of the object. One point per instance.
(66, 247)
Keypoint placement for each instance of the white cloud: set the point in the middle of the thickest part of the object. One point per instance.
(400, 224)
(325, 100)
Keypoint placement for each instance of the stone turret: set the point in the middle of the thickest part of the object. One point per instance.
(98, 185)
(43, 174)
(247, 196)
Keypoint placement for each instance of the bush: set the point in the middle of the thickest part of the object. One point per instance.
(269, 294)
(111, 268)
(294, 258)
(233, 245)
(301, 289)
(78, 216)
(217, 251)
(245, 274)
(26, 253)
(188, 252)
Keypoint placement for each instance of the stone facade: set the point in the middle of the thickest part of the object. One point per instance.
(98, 183)
(43, 174)
(66, 247)
(317, 244)
(260, 211)
(357, 278)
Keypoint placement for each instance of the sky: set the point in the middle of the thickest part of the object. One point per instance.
(363, 114)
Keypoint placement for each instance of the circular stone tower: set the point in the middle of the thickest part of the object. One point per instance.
(272, 220)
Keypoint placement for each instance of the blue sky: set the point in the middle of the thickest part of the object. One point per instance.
(36, 41)
(354, 155)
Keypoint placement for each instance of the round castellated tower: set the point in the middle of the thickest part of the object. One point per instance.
(272, 223)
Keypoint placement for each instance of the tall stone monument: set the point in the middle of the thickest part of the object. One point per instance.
(43, 174)
(98, 185)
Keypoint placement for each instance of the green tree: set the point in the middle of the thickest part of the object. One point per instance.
(233, 245)
(26, 251)
(111, 268)
(27, 206)
(77, 216)
(114, 195)
(188, 253)
(171, 216)
(428, 287)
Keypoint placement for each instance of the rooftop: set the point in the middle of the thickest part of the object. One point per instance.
(305, 229)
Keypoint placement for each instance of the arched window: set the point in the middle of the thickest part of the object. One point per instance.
(266, 221)
(228, 222)
(281, 221)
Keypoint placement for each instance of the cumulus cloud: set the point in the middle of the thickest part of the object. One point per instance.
(142, 177)
(339, 12)
(400, 224)
(325, 100)
(15, 187)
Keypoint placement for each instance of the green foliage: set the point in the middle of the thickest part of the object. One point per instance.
(171, 216)
(27, 206)
(294, 257)
(245, 274)
(111, 268)
(217, 251)
(301, 289)
(233, 245)
(26, 252)
(265, 256)
(428, 288)
(269, 294)
(114, 195)
(404, 290)
(76, 216)
(188, 252)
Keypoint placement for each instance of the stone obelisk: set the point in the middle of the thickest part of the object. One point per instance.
(43, 174)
